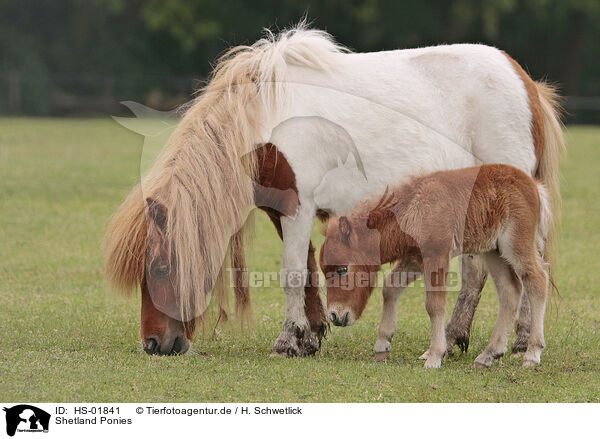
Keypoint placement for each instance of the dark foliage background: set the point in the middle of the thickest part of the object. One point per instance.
(77, 57)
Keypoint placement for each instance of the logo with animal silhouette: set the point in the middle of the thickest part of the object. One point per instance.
(26, 418)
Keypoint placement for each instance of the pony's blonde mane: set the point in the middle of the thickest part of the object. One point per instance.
(200, 176)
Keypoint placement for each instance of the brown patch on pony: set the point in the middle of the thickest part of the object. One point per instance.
(535, 105)
(275, 186)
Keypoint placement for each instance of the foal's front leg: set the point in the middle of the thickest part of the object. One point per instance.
(436, 271)
(392, 290)
(296, 337)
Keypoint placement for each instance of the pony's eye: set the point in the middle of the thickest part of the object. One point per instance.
(161, 270)
(342, 270)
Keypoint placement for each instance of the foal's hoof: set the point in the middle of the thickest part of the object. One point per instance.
(486, 359)
(483, 362)
(380, 356)
(433, 363)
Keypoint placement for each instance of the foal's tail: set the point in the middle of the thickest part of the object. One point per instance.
(545, 225)
(548, 168)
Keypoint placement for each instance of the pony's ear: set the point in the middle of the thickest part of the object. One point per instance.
(345, 229)
(158, 213)
(350, 161)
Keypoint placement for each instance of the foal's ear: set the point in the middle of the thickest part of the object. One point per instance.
(374, 219)
(345, 229)
(158, 213)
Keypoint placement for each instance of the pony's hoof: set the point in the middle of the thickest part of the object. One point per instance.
(425, 355)
(459, 338)
(310, 344)
(380, 356)
(463, 343)
(520, 345)
(287, 344)
(278, 355)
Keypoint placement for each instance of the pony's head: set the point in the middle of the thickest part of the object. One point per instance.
(350, 261)
(171, 235)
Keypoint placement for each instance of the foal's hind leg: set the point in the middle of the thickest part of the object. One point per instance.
(508, 287)
(535, 282)
(474, 275)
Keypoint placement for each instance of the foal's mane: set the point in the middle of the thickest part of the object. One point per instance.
(200, 176)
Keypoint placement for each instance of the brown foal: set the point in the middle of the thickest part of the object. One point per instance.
(497, 211)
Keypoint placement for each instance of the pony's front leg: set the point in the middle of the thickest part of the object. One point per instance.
(313, 305)
(296, 337)
(393, 288)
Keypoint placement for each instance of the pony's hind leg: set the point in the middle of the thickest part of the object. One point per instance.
(509, 288)
(395, 283)
(474, 275)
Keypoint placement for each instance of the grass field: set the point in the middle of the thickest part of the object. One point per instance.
(65, 337)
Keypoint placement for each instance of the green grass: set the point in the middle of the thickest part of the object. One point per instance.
(65, 337)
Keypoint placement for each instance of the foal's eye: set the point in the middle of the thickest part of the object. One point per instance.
(342, 270)
(161, 270)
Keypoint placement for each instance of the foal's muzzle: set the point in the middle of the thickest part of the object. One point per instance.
(339, 320)
(178, 345)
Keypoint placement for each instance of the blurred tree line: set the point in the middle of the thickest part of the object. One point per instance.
(84, 56)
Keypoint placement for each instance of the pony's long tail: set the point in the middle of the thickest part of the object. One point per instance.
(548, 168)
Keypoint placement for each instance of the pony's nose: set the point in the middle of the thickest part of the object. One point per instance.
(151, 345)
(180, 345)
(338, 320)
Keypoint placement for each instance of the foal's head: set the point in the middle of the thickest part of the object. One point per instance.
(350, 260)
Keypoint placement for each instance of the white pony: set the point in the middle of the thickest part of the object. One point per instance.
(396, 112)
